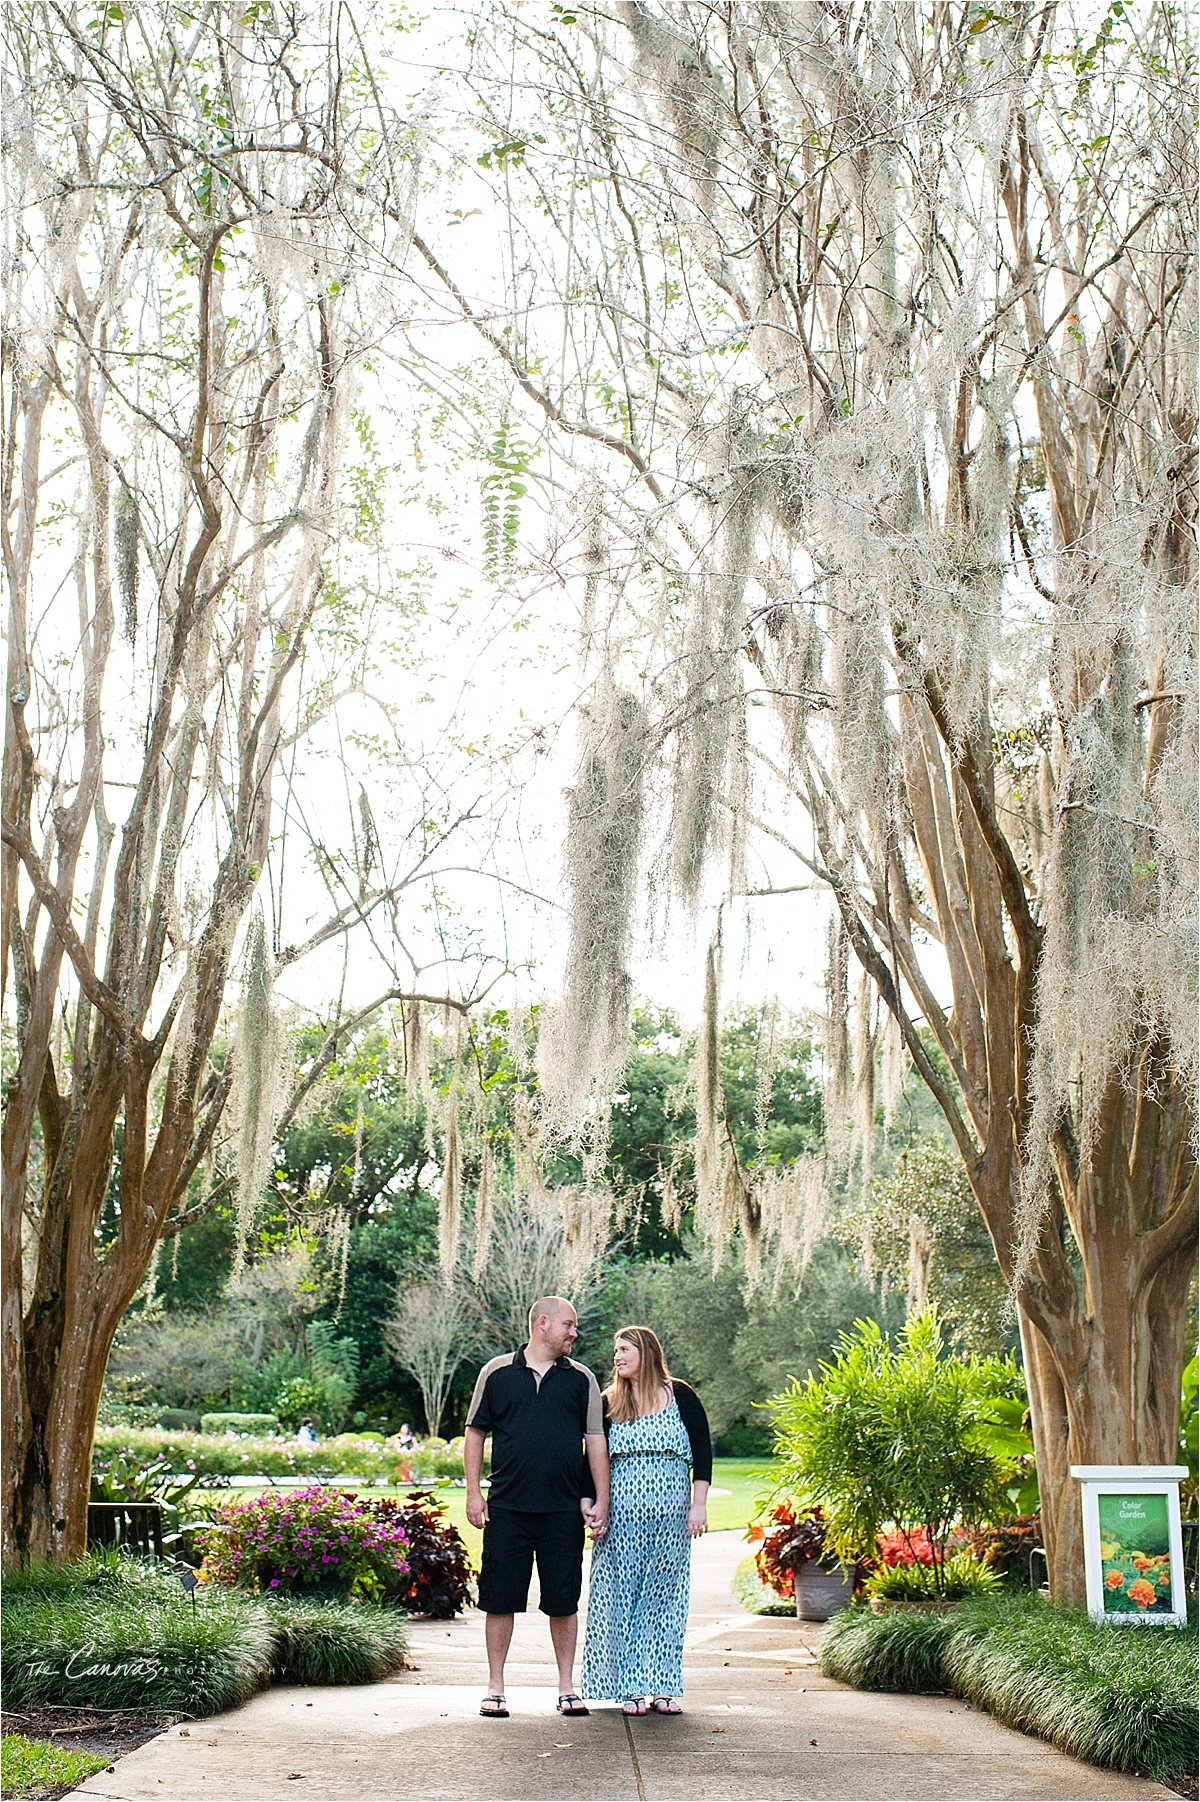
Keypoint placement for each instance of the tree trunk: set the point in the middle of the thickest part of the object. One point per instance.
(65, 1342)
(1104, 1386)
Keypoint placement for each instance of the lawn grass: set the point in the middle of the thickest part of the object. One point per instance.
(1120, 1697)
(111, 1633)
(30, 1766)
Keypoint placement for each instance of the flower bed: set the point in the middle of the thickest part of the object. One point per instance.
(312, 1541)
(229, 1455)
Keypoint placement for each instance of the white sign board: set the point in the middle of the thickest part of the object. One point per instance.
(1132, 1543)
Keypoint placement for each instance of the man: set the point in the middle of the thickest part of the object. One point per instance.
(542, 1410)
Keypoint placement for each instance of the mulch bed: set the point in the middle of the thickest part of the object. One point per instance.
(84, 1730)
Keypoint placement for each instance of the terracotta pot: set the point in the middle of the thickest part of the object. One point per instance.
(822, 1589)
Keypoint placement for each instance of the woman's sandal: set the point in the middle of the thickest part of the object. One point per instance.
(665, 1705)
(635, 1707)
(493, 1708)
(572, 1706)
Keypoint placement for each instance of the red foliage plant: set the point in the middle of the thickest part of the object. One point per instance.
(794, 1540)
(437, 1578)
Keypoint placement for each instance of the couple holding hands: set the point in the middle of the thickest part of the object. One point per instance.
(633, 1464)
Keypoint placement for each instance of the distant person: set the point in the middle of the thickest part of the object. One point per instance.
(307, 1434)
(406, 1440)
(543, 1412)
(661, 1453)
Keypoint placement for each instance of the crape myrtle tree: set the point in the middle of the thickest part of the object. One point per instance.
(208, 242)
(870, 328)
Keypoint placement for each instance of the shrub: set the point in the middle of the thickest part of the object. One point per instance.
(313, 1540)
(114, 1633)
(1121, 1698)
(961, 1574)
(28, 1767)
(892, 1547)
(239, 1423)
(795, 1539)
(179, 1419)
(438, 1578)
(894, 1435)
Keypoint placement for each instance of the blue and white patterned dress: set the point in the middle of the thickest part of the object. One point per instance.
(638, 1591)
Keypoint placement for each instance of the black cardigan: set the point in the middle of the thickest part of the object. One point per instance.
(691, 1409)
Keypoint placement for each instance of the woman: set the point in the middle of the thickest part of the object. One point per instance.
(638, 1594)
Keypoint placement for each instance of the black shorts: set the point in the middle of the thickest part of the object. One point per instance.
(511, 1541)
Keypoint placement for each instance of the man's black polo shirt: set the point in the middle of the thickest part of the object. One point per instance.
(537, 1428)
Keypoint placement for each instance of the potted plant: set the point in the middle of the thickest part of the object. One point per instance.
(897, 1436)
(793, 1560)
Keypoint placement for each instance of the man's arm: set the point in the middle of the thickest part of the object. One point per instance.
(477, 1508)
(597, 1457)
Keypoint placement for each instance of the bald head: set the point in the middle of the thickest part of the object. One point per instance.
(550, 1308)
(553, 1327)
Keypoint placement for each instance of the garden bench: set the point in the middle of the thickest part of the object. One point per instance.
(136, 1527)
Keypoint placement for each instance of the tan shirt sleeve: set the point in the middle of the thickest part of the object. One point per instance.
(595, 1407)
(485, 1424)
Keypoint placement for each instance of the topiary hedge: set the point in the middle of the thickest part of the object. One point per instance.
(239, 1423)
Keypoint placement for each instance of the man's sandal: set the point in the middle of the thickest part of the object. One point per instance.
(572, 1706)
(634, 1707)
(493, 1708)
(665, 1705)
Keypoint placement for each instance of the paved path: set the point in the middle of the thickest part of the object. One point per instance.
(761, 1725)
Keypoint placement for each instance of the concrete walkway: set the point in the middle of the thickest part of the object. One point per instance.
(761, 1724)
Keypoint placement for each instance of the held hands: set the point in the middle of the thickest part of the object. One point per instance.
(595, 1517)
(697, 1519)
(477, 1509)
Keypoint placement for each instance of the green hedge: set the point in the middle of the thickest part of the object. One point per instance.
(108, 1633)
(1120, 1697)
(219, 1455)
(239, 1423)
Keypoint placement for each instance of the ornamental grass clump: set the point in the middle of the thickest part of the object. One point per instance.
(334, 1642)
(111, 1633)
(314, 1541)
(118, 1634)
(1123, 1700)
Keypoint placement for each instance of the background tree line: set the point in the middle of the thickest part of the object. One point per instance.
(309, 1312)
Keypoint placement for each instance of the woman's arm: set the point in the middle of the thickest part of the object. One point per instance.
(696, 1421)
(694, 1418)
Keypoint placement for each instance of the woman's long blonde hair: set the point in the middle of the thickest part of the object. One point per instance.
(627, 1400)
